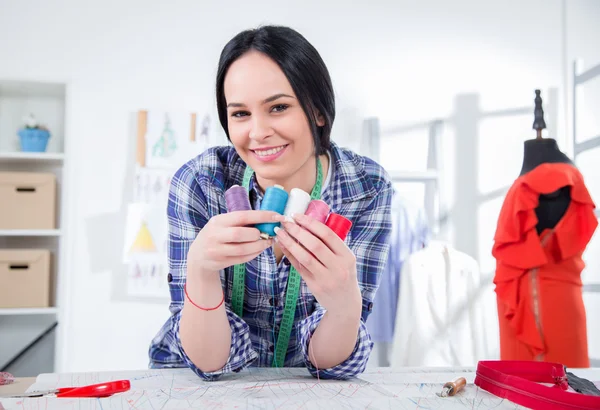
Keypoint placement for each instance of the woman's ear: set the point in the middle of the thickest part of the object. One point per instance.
(320, 120)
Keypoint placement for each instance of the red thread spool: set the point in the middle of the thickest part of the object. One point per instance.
(317, 209)
(340, 225)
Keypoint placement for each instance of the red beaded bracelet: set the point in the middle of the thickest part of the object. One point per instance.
(200, 307)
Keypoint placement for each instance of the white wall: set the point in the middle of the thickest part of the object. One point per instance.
(402, 61)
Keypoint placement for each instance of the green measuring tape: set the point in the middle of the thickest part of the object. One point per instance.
(293, 285)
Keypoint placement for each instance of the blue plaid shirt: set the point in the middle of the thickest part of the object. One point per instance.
(360, 190)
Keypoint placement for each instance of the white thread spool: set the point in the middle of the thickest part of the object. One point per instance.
(297, 203)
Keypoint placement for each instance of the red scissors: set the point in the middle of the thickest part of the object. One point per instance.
(91, 391)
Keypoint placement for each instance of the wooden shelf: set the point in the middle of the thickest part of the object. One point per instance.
(32, 89)
(28, 311)
(30, 232)
(42, 157)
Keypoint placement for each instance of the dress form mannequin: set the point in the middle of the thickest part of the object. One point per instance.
(538, 151)
(541, 312)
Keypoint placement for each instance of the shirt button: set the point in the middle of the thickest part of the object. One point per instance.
(273, 301)
(286, 262)
(272, 348)
(169, 278)
(370, 306)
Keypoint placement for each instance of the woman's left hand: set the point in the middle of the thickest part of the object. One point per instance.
(325, 263)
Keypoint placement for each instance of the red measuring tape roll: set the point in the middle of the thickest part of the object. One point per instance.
(521, 383)
(338, 224)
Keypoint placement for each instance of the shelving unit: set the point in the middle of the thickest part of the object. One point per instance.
(28, 311)
(414, 176)
(20, 327)
(31, 157)
(26, 233)
(430, 178)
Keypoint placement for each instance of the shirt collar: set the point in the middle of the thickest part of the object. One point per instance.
(351, 180)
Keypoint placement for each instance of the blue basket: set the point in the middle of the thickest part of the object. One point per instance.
(33, 139)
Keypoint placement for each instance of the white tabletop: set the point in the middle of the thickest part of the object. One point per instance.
(265, 388)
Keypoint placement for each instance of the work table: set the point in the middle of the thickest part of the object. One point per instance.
(267, 388)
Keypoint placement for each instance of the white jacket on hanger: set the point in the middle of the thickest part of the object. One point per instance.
(440, 317)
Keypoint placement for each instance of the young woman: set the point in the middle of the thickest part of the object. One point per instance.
(276, 104)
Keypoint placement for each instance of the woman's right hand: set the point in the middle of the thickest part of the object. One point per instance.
(228, 239)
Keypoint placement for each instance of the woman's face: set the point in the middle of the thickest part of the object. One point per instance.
(266, 123)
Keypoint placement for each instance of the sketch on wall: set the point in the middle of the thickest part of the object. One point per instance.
(145, 250)
(165, 141)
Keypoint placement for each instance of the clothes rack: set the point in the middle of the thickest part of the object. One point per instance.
(431, 177)
(578, 81)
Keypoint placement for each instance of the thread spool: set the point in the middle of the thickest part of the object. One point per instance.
(318, 209)
(297, 202)
(340, 225)
(237, 199)
(274, 200)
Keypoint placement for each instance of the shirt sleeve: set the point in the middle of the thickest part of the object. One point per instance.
(352, 366)
(187, 213)
(369, 240)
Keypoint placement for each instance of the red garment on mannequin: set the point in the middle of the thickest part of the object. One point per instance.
(538, 277)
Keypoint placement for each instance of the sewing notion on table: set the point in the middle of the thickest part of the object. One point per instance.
(91, 391)
(6, 378)
(452, 388)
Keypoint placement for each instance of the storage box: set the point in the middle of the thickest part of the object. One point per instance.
(27, 200)
(24, 278)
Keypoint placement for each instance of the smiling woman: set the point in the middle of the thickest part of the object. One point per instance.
(276, 107)
(276, 104)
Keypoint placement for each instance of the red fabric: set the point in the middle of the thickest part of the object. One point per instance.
(519, 382)
(538, 277)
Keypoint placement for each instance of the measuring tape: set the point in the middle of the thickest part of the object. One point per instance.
(293, 285)
(239, 271)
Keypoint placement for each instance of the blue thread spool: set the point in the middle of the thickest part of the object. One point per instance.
(275, 200)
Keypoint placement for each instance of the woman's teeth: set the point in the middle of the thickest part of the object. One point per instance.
(264, 153)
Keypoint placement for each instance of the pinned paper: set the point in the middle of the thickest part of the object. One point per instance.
(164, 142)
(143, 241)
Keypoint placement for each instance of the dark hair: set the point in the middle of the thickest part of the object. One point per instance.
(301, 64)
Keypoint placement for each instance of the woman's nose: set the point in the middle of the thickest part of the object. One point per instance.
(260, 128)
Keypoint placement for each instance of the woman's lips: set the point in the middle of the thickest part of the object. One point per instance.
(269, 154)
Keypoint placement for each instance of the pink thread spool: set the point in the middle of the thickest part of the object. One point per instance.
(318, 209)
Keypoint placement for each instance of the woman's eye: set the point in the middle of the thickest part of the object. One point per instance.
(239, 114)
(280, 107)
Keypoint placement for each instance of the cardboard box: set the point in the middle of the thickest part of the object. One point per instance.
(27, 200)
(24, 278)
